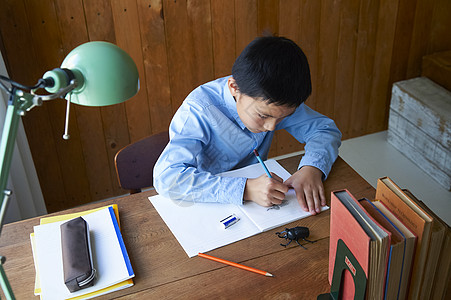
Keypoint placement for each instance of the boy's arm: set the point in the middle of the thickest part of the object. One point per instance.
(320, 135)
(176, 177)
(322, 140)
(176, 173)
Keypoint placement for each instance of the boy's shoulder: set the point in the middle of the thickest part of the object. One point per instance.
(210, 93)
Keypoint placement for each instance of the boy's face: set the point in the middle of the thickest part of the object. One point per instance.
(258, 115)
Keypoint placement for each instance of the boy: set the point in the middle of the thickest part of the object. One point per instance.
(221, 122)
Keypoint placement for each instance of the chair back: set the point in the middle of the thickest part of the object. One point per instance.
(134, 163)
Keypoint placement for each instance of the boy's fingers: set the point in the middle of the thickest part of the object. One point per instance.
(276, 177)
(317, 200)
(279, 186)
(301, 200)
(276, 201)
(310, 203)
(322, 197)
(277, 196)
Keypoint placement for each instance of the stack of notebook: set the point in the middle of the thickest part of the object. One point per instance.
(110, 258)
(402, 247)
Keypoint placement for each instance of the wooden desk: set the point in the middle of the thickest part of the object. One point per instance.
(164, 271)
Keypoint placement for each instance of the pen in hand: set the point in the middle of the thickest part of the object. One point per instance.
(262, 163)
(276, 206)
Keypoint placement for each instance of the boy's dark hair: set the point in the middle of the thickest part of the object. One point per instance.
(275, 69)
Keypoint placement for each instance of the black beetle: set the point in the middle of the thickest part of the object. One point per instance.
(294, 234)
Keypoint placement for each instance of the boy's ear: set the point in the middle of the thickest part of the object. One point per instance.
(233, 87)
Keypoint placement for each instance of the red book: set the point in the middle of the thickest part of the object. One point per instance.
(366, 239)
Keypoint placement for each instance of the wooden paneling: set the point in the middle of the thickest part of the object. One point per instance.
(346, 60)
(154, 49)
(180, 48)
(128, 37)
(364, 63)
(356, 50)
(245, 24)
(310, 16)
(223, 28)
(327, 56)
(268, 17)
(378, 108)
(289, 26)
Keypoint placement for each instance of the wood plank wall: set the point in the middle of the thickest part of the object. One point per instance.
(356, 49)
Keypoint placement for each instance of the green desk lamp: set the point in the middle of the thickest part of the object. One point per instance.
(93, 74)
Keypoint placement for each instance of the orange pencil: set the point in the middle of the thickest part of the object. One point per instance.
(235, 265)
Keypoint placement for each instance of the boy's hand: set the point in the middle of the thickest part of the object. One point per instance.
(265, 191)
(308, 185)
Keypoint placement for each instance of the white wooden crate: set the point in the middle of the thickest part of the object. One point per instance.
(425, 104)
(420, 126)
(421, 160)
(425, 145)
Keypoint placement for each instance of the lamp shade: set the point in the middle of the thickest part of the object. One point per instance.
(105, 74)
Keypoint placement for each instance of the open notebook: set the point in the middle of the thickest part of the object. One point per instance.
(197, 226)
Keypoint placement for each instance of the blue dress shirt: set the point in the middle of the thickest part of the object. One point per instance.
(207, 137)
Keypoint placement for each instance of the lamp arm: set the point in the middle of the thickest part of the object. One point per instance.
(61, 93)
(6, 287)
(18, 103)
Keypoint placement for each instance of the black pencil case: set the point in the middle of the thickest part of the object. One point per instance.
(78, 267)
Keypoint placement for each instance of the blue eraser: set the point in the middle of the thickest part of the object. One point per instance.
(229, 221)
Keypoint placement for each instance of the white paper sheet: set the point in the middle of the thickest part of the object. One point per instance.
(196, 225)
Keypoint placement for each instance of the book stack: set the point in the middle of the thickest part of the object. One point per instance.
(403, 248)
(110, 258)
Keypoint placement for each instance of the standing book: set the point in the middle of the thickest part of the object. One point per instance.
(438, 232)
(442, 276)
(396, 252)
(366, 239)
(416, 219)
(109, 255)
(410, 243)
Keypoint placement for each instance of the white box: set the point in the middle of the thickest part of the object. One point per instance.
(420, 126)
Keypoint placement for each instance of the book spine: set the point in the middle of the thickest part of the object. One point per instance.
(121, 243)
